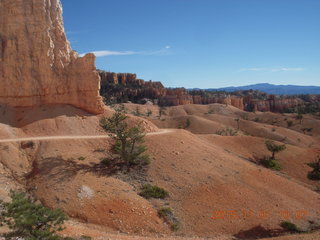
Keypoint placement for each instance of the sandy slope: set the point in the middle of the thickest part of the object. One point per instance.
(203, 173)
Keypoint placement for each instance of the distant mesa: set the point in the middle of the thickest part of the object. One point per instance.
(273, 89)
(37, 64)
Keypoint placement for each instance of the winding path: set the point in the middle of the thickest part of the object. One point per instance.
(67, 137)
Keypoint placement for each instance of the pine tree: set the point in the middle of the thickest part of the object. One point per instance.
(29, 220)
(128, 141)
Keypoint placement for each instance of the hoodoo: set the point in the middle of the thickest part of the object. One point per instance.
(37, 64)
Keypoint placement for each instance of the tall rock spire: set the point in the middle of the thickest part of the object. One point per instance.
(37, 64)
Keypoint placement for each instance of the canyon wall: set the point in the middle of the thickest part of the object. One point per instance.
(37, 64)
(126, 86)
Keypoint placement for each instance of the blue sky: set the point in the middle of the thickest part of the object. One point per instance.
(201, 43)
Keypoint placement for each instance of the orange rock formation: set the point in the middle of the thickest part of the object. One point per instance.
(37, 64)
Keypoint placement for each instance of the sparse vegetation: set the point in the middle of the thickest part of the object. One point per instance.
(185, 125)
(151, 191)
(290, 226)
(28, 144)
(81, 158)
(289, 123)
(164, 212)
(149, 113)
(188, 123)
(29, 220)
(299, 117)
(127, 141)
(84, 237)
(257, 119)
(227, 132)
(274, 148)
(162, 111)
(238, 123)
(167, 214)
(315, 173)
(271, 163)
(304, 130)
(137, 112)
(210, 110)
(175, 227)
(106, 161)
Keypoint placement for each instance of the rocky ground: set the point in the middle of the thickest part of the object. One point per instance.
(204, 173)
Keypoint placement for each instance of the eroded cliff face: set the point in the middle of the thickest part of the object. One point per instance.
(37, 64)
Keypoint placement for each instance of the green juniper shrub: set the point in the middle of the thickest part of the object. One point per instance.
(315, 173)
(106, 161)
(175, 227)
(137, 112)
(274, 148)
(188, 123)
(151, 191)
(290, 226)
(149, 113)
(227, 132)
(238, 123)
(84, 237)
(289, 123)
(81, 158)
(164, 212)
(299, 117)
(168, 216)
(271, 163)
(30, 220)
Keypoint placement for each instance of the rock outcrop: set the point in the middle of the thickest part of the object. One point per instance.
(122, 87)
(37, 64)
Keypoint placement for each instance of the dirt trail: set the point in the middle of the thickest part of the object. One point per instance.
(46, 138)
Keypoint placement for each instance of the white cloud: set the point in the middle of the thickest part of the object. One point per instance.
(105, 53)
(282, 69)
(279, 69)
(251, 69)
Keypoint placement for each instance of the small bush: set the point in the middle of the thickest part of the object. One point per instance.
(167, 215)
(315, 173)
(227, 132)
(175, 227)
(83, 237)
(290, 226)
(271, 163)
(81, 158)
(274, 148)
(106, 161)
(257, 119)
(273, 129)
(25, 145)
(289, 123)
(150, 191)
(164, 212)
(149, 113)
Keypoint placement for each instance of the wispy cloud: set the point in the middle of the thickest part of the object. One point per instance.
(283, 69)
(251, 69)
(278, 69)
(105, 53)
